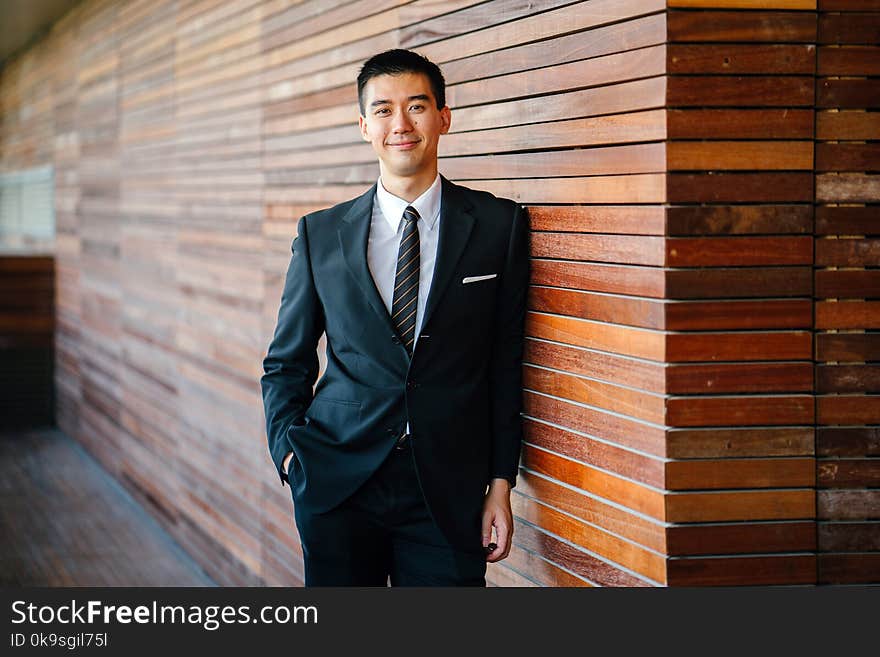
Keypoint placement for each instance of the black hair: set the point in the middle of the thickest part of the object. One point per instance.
(396, 62)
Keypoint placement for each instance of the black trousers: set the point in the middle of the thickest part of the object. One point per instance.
(384, 532)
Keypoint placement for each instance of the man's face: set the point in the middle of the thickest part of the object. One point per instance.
(402, 123)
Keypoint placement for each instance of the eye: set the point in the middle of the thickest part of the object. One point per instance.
(417, 107)
(381, 110)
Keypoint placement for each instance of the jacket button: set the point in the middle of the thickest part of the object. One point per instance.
(411, 384)
(395, 339)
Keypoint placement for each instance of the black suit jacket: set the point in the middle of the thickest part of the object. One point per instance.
(462, 390)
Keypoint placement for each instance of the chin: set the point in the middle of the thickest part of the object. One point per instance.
(404, 170)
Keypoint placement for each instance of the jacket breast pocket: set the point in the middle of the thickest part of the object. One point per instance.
(336, 415)
(478, 295)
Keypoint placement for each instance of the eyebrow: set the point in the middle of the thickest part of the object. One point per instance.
(383, 101)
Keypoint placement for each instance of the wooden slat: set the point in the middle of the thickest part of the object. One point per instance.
(744, 4)
(624, 219)
(784, 59)
(763, 571)
(741, 538)
(860, 284)
(739, 282)
(739, 251)
(846, 157)
(601, 277)
(734, 90)
(721, 506)
(849, 124)
(749, 26)
(760, 314)
(848, 441)
(848, 473)
(849, 568)
(721, 378)
(849, 28)
(847, 93)
(738, 219)
(846, 221)
(625, 249)
(847, 188)
(740, 411)
(849, 536)
(852, 60)
(740, 155)
(753, 345)
(842, 504)
(847, 314)
(739, 187)
(739, 442)
(745, 473)
(847, 378)
(738, 123)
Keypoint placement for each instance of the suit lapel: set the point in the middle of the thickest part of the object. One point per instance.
(354, 232)
(456, 223)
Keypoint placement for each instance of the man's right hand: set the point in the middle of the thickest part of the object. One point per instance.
(286, 461)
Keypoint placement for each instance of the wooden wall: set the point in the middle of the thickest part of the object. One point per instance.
(666, 153)
(847, 291)
(740, 410)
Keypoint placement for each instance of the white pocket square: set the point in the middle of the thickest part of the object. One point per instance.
(474, 279)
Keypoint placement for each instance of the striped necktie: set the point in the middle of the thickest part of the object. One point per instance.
(406, 281)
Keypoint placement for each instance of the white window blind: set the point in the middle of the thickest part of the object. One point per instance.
(27, 208)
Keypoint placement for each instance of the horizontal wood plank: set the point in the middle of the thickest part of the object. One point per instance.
(755, 571)
(787, 59)
(740, 538)
(739, 442)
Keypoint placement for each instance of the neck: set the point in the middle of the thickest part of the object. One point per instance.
(409, 188)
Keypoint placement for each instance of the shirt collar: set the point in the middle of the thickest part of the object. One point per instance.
(427, 205)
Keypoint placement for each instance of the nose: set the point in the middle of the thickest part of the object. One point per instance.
(401, 122)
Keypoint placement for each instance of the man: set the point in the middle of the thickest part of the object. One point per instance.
(402, 460)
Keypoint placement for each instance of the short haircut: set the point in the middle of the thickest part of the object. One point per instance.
(397, 62)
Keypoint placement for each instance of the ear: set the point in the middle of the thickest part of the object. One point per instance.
(446, 119)
(362, 123)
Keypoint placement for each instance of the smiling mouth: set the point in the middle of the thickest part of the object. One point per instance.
(404, 145)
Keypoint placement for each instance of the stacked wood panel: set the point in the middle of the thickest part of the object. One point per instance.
(847, 291)
(665, 151)
(740, 483)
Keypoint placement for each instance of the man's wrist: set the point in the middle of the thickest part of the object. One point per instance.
(499, 484)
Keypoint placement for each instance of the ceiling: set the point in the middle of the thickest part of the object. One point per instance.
(25, 21)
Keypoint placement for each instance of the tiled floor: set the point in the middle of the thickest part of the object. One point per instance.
(65, 522)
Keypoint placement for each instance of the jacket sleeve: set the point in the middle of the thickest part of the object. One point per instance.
(506, 364)
(291, 363)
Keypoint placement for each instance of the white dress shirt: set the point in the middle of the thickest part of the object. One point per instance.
(386, 230)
